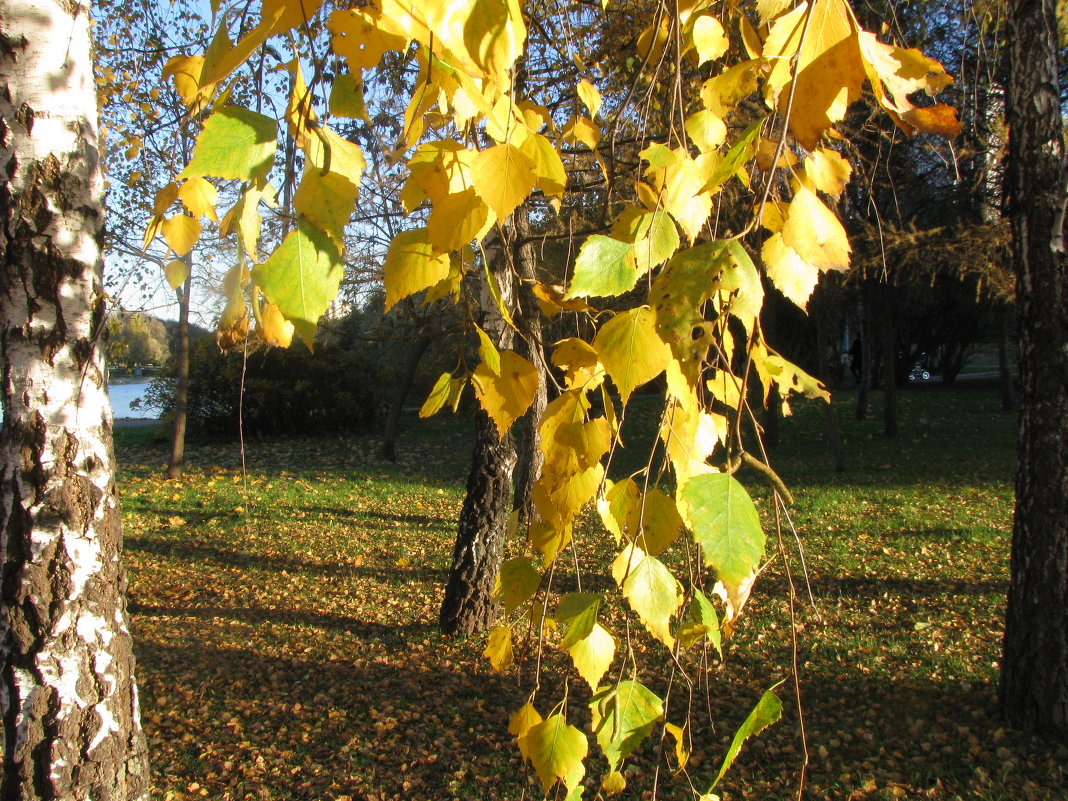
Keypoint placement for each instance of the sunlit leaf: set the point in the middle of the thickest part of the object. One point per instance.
(439, 394)
(302, 277)
(709, 38)
(767, 711)
(630, 350)
(700, 621)
(622, 716)
(177, 273)
(827, 171)
(793, 276)
(412, 265)
(725, 524)
(556, 749)
(517, 582)
(578, 612)
(199, 197)
(235, 144)
(589, 96)
(275, 329)
(508, 394)
(650, 589)
(503, 176)
(499, 648)
(181, 232)
(593, 654)
(815, 233)
(604, 267)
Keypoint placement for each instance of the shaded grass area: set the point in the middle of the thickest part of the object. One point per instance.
(287, 644)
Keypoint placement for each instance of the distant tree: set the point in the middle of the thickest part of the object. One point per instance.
(1034, 672)
(137, 340)
(68, 699)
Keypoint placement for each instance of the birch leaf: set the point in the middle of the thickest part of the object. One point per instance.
(622, 716)
(177, 272)
(709, 39)
(236, 144)
(650, 589)
(275, 329)
(199, 197)
(302, 277)
(827, 171)
(439, 394)
(815, 233)
(181, 232)
(499, 648)
(412, 265)
(516, 583)
(578, 612)
(593, 655)
(604, 268)
(506, 395)
(589, 96)
(793, 276)
(556, 750)
(725, 524)
(503, 176)
(630, 350)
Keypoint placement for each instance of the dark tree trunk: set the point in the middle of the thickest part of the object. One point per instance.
(1008, 399)
(834, 437)
(867, 356)
(388, 450)
(889, 340)
(1034, 672)
(468, 606)
(181, 397)
(68, 701)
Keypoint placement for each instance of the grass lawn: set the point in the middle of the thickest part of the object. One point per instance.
(285, 621)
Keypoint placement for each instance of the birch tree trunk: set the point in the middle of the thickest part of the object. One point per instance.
(67, 695)
(1034, 671)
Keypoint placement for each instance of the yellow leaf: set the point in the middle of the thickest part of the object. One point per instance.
(650, 589)
(589, 96)
(584, 130)
(828, 71)
(709, 39)
(769, 9)
(499, 648)
(439, 394)
(412, 265)
(508, 394)
(895, 73)
(546, 538)
(524, 719)
(682, 749)
(593, 655)
(661, 523)
(164, 198)
(827, 171)
(199, 196)
(503, 176)
(630, 350)
(793, 276)
(360, 37)
(345, 157)
(493, 34)
(556, 750)
(185, 72)
(940, 120)
(274, 328)
(651, 41)
(181, 232)
(552, 177)
(706, 130)
(618, 507)
(177, 272)
(578, 360)
(815, 233)
(456, 219)
(723, 92)
(614, 783)
(326, 201)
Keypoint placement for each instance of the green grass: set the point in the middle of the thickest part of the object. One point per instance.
(286, 620)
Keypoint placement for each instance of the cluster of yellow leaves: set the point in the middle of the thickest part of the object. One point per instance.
(475, 153)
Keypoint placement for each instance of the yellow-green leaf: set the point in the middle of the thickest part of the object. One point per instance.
(630, 350)
(439, 394)
(622, 716)
(199, 196)
(767, 711)
(302, 277)
(725, 524)
(412, 265)
(235, 144)
(556, 749)
(177, 272)
(516, 583)
(506, 395)
(652, 592)
(604, 267)
(578, 612)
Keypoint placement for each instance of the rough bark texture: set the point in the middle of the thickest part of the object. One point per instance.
(181, 398)
(1034, 674)
(469, 606)
(68, 701)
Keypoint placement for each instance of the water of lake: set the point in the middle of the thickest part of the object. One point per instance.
(122, 395)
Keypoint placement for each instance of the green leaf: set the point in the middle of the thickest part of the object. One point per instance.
(556, 749)
(741, 277)
(346, 97)
(767, 711)
(516, 583)
(740, 153)
(725, 524)
(326, 201)
(235, 144)
(593, 655)
(412, 265)
(302, 277)
(622, 716)
(652, 592)
(700, 621)
(630, 350)
(439, 394)
(604, 267)
(577, 611)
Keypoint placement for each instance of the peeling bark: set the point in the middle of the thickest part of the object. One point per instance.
(68, 700)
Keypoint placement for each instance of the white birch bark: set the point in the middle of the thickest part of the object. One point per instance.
(68, 700)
